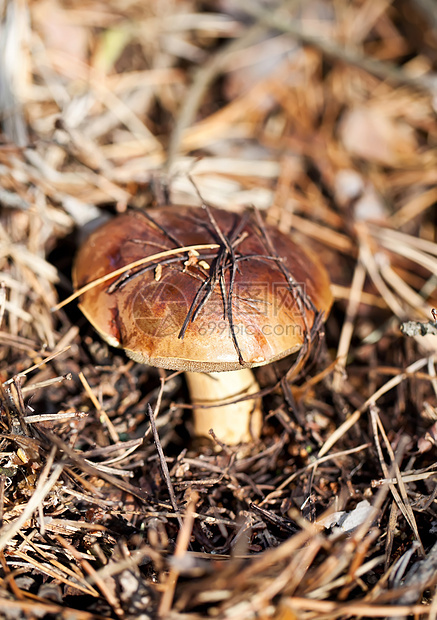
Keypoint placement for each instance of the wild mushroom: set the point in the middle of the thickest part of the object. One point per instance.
(251, 300)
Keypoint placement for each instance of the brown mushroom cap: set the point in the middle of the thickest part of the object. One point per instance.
(276, 289)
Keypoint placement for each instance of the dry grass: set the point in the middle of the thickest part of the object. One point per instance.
(323, 116)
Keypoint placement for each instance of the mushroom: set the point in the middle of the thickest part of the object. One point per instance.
(215, 313)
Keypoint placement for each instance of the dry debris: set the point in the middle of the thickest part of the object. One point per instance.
(323, 116)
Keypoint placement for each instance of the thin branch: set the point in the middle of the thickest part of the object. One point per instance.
(137, 263)
(163, 463)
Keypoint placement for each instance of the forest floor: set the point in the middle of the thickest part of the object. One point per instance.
(320, 114)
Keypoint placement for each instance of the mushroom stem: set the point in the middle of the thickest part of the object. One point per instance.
(233, 423)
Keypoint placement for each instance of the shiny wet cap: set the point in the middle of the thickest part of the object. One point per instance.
(246, 303)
